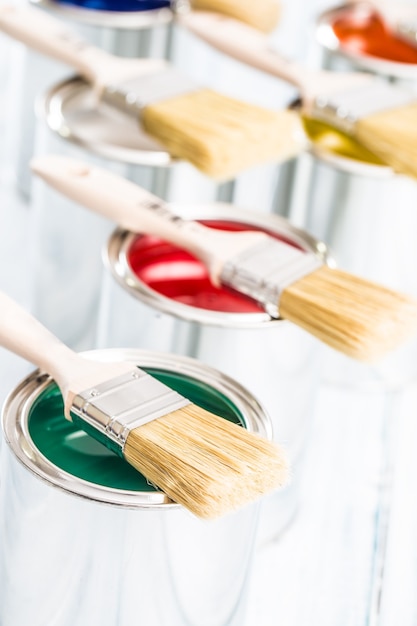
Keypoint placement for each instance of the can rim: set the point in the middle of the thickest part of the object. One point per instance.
(115, 258)
(16, 409)
(326, 38)
(127, 20)
(50, 107)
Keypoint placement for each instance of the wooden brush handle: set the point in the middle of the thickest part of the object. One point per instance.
(137, 210)
(25, 336)
(52, 38)
(22, 334)
(243, 43)
(248, 45)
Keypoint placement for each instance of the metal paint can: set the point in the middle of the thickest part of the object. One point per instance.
(84, 537)
(160, 298)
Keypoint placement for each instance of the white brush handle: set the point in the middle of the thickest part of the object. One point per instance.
(51, 37)
(248, 45)
(22, 334)
(243, 43)
(137, 210)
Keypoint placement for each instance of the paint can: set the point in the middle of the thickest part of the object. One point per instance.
(158, 297)
(85, 537)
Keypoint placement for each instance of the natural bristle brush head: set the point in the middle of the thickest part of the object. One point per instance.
(360, 318)
(222, 136)
(392, 135)
(204, 462)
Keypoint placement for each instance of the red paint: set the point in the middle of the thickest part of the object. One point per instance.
(176, 274)
(366, 33)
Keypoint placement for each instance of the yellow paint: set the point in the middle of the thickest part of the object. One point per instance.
(328, 138)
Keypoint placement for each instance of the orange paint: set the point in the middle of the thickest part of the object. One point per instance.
(366, 33)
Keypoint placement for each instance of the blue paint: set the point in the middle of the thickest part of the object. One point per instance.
(118, 5)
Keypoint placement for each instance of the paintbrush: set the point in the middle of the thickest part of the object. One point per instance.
(381, 116)
(219, 135)
(353, 315)
(200, 460)
(399, 16)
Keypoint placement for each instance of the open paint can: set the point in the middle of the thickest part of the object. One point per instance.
(356, 36)
(84, 538)
(159, 297)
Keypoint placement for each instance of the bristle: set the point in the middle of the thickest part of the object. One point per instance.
(261, 14)
(358, 317)
(204, 462)
(392, 135)
(222, 136)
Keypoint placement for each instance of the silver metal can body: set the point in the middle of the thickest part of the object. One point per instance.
(275, 360)
(74, 551)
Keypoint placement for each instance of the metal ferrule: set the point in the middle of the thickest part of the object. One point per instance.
(136, 94)
(344, 109)
(120, 405)
(265, 270)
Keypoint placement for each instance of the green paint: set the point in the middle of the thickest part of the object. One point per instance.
(69, 448)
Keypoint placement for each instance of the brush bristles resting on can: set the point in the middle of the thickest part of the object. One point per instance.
(220, 135)
(381, 116)
(358, 317)
(208, 465)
